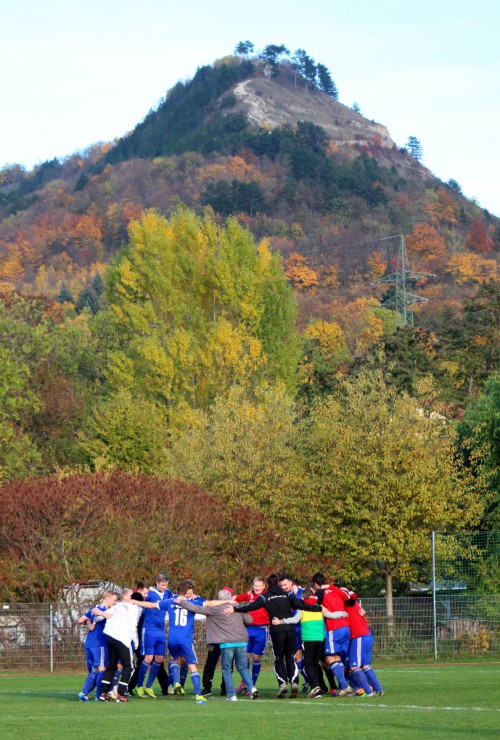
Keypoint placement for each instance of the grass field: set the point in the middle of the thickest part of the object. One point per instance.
(447, 701)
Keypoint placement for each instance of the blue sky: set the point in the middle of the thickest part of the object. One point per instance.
(75, 72)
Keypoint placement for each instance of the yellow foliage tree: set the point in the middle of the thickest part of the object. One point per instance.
(330, 336)
(201, 309)
(471, 268)
(377, 266)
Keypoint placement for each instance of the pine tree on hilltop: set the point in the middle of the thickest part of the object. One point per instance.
(325, 81)
(244, 48)
(414, 147)
(272, 54)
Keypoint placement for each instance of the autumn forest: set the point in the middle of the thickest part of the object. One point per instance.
(197, 338)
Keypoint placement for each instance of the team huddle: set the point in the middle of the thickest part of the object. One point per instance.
(318, 632)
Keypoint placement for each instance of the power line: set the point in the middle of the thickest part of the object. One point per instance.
(402, 298)
(348, 244)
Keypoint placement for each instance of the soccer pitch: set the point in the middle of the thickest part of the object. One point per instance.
(445, 701)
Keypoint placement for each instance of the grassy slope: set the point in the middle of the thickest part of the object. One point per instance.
(421, 702)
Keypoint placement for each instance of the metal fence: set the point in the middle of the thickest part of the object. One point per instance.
(45, 637)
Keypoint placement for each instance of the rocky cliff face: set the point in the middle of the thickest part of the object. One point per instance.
(277, 101)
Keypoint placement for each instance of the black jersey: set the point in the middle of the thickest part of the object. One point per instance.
(280, 604)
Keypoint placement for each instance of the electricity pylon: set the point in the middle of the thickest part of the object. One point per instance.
(402, 280)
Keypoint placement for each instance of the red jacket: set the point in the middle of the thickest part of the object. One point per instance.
(260, 616)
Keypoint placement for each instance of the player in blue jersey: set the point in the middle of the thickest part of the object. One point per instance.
(180, 636)
(96, 647)
(152, 638)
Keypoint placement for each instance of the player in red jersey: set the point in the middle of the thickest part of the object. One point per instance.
(257, 631)
(360, 648)
(337, 630)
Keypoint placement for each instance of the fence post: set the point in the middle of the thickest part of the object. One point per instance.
(51, 637)
(434, 613)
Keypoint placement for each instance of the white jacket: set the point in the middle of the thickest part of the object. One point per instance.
(122, 625)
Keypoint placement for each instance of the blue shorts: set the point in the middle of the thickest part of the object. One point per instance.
(183, 650)
(96, 657)
(337, 642)
(360, 651)
(298, 636)
(257, 639)
(153, 642)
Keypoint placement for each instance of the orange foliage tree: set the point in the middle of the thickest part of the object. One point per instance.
(299, 273)
(477, 238)
(441, 208)
(426, 242)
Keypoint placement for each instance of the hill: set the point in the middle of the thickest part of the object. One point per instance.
(325, 186)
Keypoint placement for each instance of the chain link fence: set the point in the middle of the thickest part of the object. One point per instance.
(45, 637)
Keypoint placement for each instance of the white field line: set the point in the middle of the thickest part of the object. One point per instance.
(358, 704)
(374, 704)
(428, 672)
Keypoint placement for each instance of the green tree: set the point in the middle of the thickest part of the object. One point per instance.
(298, 63)
(244, 48)
(309, 70)
(272, 54)
(381, 475)
(97, 285)
(414, 147)
(125, 433)
(479, 433)
(469, 348)
(64, 295)
(19, 456)
(88, 298)
(406, 356)
(243, 451)
(325, 82)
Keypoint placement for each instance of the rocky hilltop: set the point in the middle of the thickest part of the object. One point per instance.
(277, 102)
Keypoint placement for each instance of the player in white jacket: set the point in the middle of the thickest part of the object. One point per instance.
(121, 633)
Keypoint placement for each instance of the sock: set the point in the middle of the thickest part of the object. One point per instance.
(170, 679)
(89, 683)
(372, 678)
(116, 677)
(144, 667)
(153, 672)
(183, 674)
(359, 681)
(300, 666)
(338, 672)
(255, 672)
(174, 672)
(195, 678)
(98, 684)
(330, 678)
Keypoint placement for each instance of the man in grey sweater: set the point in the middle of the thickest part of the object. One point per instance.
(229, 632)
